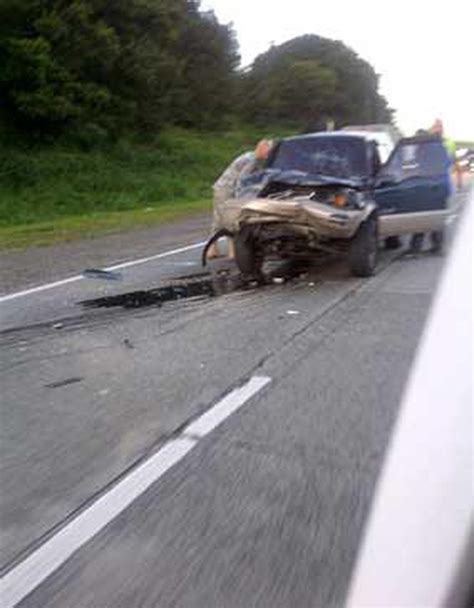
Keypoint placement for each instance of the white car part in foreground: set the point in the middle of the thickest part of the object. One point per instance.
(418, 549)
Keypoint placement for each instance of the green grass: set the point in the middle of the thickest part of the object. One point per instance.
(69, 228)
(61, 193)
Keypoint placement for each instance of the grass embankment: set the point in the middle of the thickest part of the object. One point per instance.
(59, 193)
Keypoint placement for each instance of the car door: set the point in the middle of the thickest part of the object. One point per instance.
(413, 187)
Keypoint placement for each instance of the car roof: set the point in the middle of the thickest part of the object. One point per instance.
(330, 134)
(372, 135)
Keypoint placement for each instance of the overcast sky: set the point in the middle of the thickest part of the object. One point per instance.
(419, 47)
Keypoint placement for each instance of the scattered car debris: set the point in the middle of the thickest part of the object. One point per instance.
(98, 273)
(58, 325)
(65, 382)
(292, 312)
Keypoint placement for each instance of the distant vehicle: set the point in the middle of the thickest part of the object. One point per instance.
(329, 192)
(465, 159)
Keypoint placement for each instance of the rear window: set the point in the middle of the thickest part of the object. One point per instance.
(335, 157)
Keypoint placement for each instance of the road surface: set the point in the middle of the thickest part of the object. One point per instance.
(201, 442)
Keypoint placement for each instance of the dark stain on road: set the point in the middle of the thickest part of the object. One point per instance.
(65, 382)
(200, 285)
(203, 288)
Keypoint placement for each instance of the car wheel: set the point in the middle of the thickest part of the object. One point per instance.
(416, 242)
(249, 261)
(392, 242)
(363, 250)
(437, 241)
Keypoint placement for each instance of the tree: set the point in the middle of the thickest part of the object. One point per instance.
(209, 54)
(311, 78)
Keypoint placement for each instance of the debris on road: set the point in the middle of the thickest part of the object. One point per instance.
(278, 280)
(206, 286)
(58, 325)
(65, 382)
(292, 312)
(98, 273)
(154, 297)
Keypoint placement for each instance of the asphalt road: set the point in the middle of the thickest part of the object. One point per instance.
(265, 510)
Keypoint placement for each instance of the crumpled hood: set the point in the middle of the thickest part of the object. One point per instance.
(268, 209)
(301, 212)
(301, 178)
(257, 183)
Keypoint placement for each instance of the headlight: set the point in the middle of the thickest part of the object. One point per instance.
(340, 200)
(348, 198)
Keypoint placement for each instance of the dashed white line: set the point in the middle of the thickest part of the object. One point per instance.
(227, 406)
(31, 572)
(79, 277)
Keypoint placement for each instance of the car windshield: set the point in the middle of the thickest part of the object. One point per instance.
(342, 157)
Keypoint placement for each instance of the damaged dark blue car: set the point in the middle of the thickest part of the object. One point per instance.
(329, 192)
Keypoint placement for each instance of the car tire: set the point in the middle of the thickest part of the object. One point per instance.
(393, 242)
(437, 241)
(247, 258)
(416, 242)
(363, 250)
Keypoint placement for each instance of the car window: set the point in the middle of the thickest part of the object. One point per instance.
(416, 159)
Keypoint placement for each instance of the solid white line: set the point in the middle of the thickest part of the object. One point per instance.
(79, 277)
(156, 256)
(26, 576)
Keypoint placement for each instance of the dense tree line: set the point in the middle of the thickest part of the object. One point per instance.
(101, 67)
(108, 65)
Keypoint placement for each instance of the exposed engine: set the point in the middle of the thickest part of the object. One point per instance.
(281, 190)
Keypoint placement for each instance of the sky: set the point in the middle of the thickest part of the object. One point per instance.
(419, 48)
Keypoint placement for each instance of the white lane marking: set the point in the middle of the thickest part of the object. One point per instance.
(156, 256)
(31, 572)
(227, 406)
(79, 277)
